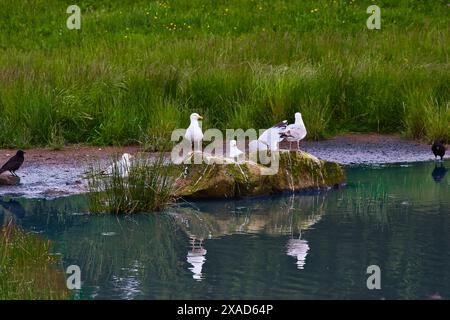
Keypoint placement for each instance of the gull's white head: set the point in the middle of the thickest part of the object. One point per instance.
(195, 117)
(299, 119)
(233, 143)
(126, 157)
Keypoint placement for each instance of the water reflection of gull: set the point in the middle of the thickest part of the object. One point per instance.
(298, 248)
(196, 257)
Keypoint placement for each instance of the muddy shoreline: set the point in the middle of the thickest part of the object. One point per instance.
(370, 149)
(49, 173)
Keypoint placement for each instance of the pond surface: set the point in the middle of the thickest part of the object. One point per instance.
(303, 246)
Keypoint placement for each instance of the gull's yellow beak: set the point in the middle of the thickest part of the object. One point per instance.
(200, 117)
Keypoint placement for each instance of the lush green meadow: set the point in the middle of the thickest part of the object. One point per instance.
(137, 69)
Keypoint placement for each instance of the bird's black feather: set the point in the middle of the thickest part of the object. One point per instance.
(14, 163)
(438, 149)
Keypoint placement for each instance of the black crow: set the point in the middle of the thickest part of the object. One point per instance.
(13, 163)
(438, 149)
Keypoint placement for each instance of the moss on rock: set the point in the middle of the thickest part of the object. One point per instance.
(297, 171)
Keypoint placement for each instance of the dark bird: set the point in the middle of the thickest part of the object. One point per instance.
(14, 163)
(438, 149)
(439, 173)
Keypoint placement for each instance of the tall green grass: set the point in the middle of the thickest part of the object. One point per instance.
(137, 69)
(149, 186)
(28, 271)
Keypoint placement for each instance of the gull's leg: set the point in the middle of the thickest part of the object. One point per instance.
(298, 145)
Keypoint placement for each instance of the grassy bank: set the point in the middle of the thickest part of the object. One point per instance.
(137, 69)
(27, 269)
(143, 186)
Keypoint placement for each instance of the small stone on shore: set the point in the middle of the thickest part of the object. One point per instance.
(9, 180)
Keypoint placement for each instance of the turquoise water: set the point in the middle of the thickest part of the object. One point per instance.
(303, 246)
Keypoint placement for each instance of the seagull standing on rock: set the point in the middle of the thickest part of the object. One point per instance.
(296, 131)
(269, 139)
(194, 133)
(14, 163)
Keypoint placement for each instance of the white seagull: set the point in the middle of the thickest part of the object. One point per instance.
(296, 131)
(234, 150)
(273, 136)
(121, 166)
(194, 133)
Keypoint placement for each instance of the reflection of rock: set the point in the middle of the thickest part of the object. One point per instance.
(297, 171)
(9, 180)
(276, 216)
(298, 248)
(196, 257)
